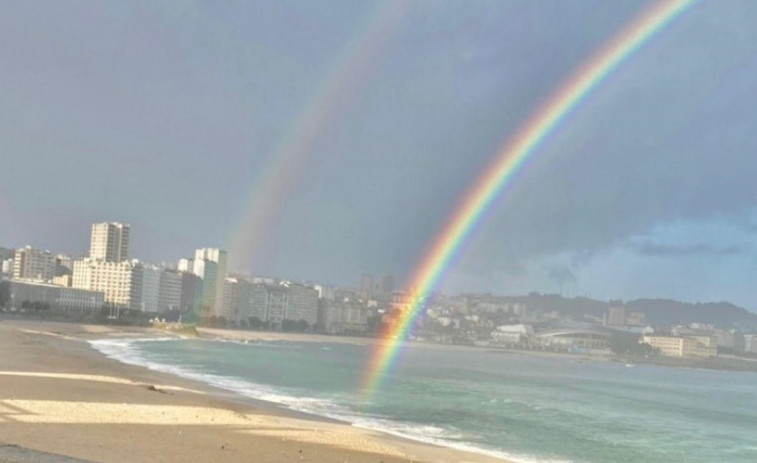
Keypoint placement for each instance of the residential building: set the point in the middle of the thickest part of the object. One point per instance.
(121, 282)
(33, 264)
(169, 294)
(186, 265)
(191, 285)
(150, 287)
(325, 292)
(110, 241)
(302, 304)
(64, 265)
(210, 265)
(750, 343)
(340, 317)
(285, 301)
(682, 346)
(236, 305)
(6, 268)
(64, 280)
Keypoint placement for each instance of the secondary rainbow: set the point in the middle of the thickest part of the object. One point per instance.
(509, 160)
(336, 92)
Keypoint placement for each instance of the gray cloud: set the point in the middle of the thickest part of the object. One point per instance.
(164, 118)
(650, 248)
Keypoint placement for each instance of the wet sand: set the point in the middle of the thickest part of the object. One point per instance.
(59, 395)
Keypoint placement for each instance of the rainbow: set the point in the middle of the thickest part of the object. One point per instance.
(509, 160)
(335, 92)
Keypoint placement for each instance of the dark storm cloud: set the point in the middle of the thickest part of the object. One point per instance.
(666, 138)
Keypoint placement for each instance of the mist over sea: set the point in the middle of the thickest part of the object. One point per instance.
(524, 408)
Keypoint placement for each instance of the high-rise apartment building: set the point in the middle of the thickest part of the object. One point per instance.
(190, 291)
(169, 298)
(150, 294)
(110, 241)
(33, 264)
(236, 305)
(210, 265)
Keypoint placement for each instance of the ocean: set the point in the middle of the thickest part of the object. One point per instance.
(519, 407)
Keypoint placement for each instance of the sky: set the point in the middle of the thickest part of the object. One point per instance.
(322, 140)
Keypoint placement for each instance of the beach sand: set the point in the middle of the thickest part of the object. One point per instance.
(59, 395)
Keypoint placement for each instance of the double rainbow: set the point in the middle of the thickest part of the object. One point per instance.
(509, 161)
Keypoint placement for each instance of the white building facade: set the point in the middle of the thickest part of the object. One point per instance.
(33, 264)
(110, 241)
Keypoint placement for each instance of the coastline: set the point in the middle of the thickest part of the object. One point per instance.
(61, 396)
(720, 363)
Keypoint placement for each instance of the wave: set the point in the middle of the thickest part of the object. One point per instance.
(127, 351)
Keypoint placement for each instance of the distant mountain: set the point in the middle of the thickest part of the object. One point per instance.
(657, 311)
(667, 312)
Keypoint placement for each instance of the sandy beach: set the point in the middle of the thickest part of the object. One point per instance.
(59, 395)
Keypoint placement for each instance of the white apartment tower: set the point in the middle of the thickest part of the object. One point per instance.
(110, 241)
(210, 265)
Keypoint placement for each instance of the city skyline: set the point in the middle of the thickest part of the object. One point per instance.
(645, 191)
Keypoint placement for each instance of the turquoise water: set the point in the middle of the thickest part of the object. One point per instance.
(529, 409)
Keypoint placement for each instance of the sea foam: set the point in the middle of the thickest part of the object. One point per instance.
(128, 351)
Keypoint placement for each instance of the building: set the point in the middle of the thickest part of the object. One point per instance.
(512, 334)
(210, 266)
(6, 268)
(682, 346)
(33, 265)
(170, 291)
(342, 317)
(636, 319)
(366, 286)
(574, 338)
(191, 285)
(730, 339)
(64, 280)
(616, 316)
(64, 265)
(26, 295)
(285, 301)
(237, 299)
(149, 295)
(387, 284)
(750, 343)
(121, 282)
(302, 303)
(110, 241)
(325, 292)
(186, 265)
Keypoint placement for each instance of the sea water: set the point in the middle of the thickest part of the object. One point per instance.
(519, 407)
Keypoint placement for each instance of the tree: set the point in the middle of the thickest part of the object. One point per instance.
(629, 346)
(5, 293)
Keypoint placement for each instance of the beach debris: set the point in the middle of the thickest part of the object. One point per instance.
(151, 387)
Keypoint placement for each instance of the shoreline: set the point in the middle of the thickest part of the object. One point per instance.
(59, 385)
(719, 363)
